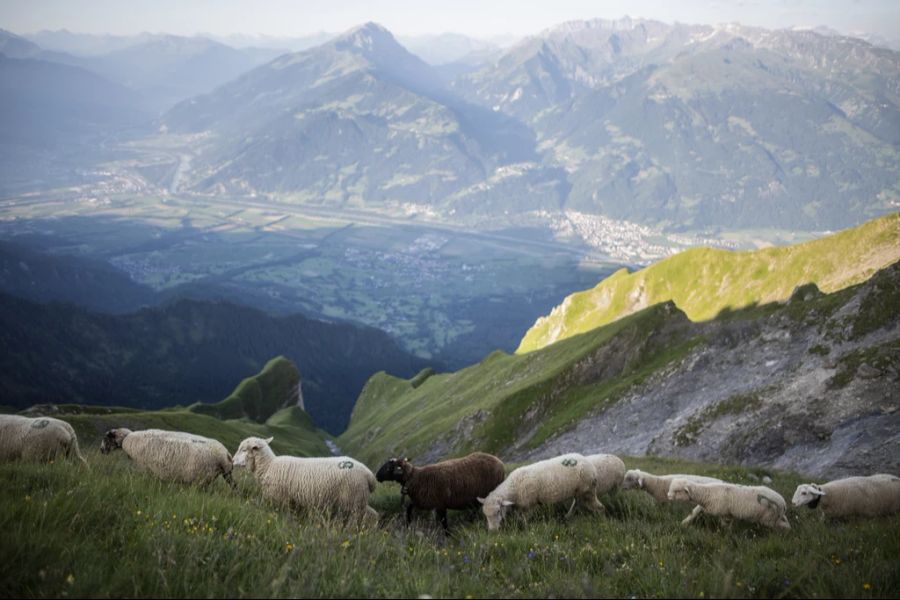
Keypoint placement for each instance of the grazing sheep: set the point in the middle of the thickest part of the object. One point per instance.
(610, 472)
(748, 502)
(865, 496)
(340, 483)
(658, 485)
(545, 482)
(172, 455)
(451, 484)
(42, 438)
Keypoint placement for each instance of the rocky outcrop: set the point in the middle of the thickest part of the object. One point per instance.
(811, 385)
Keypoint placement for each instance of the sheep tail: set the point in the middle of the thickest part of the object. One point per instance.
(72, 451)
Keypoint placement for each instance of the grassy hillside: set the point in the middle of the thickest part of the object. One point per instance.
(111, 531)
(259, 396)
(704, 281)
(507, 399)
(293, 429)
(656, 370)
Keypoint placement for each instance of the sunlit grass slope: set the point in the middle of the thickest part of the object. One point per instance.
(704, 281)
(508, 399)
(110, 531)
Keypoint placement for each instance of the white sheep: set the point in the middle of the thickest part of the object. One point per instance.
(610, 472)
(756, 503)
(865, 496)
(42, 438)
(658, 485)
(545, 482)
(172, 455)
(340, 483)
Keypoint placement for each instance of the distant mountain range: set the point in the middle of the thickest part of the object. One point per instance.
(160, 69)
(679, 126)
(674, 125)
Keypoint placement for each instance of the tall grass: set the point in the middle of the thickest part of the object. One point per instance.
(112, 531)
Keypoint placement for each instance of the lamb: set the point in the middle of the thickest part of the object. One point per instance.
(658, 485)
(339, 483)
(865, 496)
(450, 484)
(172, 455)
(748, 502)
(610, 472)
(545, 482)
(41, 438)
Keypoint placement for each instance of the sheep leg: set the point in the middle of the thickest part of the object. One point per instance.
(571, 508)
(441, 514)
(369, 517)
(590, 499)
(694, 514)
(409, 510)
(230, 481)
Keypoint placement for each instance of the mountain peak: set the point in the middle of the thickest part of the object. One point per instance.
(368, 37)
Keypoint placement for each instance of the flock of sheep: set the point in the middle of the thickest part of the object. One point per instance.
(343, 484)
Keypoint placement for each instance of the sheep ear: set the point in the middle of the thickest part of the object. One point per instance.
(480, 500)
(507, 503)
(816, 490)
(269, 440)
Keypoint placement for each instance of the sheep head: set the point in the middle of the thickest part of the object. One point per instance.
(680, 489)
(250, 450)
(112, 439)
(633, 479)
(809, 494)
(494, 510)
(395, 469)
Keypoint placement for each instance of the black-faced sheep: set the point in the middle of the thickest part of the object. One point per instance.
(756, 503)
(172, 455)
(544, 482)
(330, 483)
(451, 484)
(42, 438)
(863, 496)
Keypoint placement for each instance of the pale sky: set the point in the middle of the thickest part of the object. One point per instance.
(479, 18)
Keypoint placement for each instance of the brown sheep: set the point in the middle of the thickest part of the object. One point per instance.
(451, 484)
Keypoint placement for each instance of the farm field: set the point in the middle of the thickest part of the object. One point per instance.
(444, 293)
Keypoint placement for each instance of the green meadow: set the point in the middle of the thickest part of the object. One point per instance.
(111, 531)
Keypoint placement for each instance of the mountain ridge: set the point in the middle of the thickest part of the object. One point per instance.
(705, 281)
